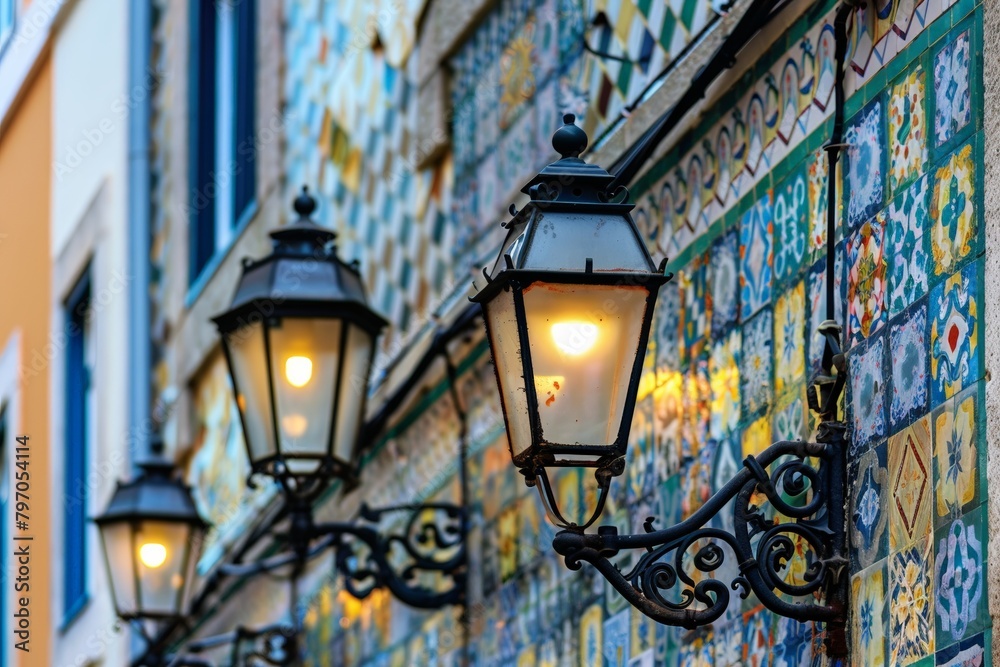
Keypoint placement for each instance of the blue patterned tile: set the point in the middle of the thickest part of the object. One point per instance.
(960, 578)
(725, 279)
(953, 95)
(956, 351)
(907, 243)
(869, 502)
(755, 364)
(866, 369)
(791, 212)
(911, 614)
(757, 258)
(864, 164)
(909, 367)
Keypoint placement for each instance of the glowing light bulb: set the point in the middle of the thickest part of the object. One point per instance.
(574, 338)
(294, 425)
(298, 371)
(152, 554)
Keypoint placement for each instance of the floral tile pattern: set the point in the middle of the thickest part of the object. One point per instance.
(789, 419)
(906, 246)
(956, 455)
(725, 278)
(866, 287)
(791, 212)
(792, 643)
(864, 167)
(869, 614)
(908, 345)
(954, 334)
(868, 393)
(756, 258)
(668, 327)
(869, 508)
(789, 338)
(911, 624)
(912, 485)
(907, 128)
(954, 225)
(755, 363)
(757, 638)
(960, 578)
(818, 194)
(953, 98)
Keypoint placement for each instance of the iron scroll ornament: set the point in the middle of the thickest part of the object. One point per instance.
(808, 496)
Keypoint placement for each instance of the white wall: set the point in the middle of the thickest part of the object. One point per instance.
(90, 227)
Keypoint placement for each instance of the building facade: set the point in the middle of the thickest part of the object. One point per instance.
(416, 123)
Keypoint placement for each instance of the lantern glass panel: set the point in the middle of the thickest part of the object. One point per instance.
(305, 358)
(584, 341)
(248, 362)
(562, 241)
(162, 549)
(117, 538)
(353, 385)
(506, 346)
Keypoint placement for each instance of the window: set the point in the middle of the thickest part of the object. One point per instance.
(222, 149)
(77, 420)
(6, 21)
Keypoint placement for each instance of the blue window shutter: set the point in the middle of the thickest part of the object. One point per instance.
(246, 69)
(75, 454)
(201, 136)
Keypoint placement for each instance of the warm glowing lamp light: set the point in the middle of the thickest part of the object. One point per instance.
(298, 371)
(574, 338)
(152, 554)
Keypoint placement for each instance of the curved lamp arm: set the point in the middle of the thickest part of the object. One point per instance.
(674, 581)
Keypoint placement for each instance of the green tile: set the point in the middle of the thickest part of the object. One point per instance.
(666, 36)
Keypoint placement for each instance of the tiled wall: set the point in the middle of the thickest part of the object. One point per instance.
(740, 207)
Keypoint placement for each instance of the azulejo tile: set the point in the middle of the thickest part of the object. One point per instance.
(725, 279)
(956, 351)
(756, 258)
(755, 363)
(906, 245)
(724, 376)
(818, 200)
(790, 418)
(954, 222)
(973, 652)
(953, 93)
(791, 219)
(789, 338)
(869, 508)
(757, 437)
(909, 372)
(866, 287)
(864, 166)
(912, 483)
(869, 613)
(868, 392)
(816, 282)
(668, 328)
(693, 282)
(960, 577)
(907, 127)
(792, 643)
(757, 637)
(957, 455)
(911, 590)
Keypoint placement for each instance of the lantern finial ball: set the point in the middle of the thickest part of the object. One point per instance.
(569, 140)
(304, 204)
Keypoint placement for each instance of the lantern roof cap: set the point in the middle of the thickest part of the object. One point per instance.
(570, 172)
(156, 494)
(303, 273)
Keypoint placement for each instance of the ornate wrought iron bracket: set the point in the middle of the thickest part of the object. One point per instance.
(423, 565)
(786, 539)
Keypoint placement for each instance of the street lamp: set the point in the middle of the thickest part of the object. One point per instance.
(568, 306)
(299, 340)
(152, 535)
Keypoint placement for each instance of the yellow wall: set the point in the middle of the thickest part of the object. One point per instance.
(25, 268)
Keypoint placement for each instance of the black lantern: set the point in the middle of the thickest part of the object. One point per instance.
(568, 307)
(299, 340)
(152, 535)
